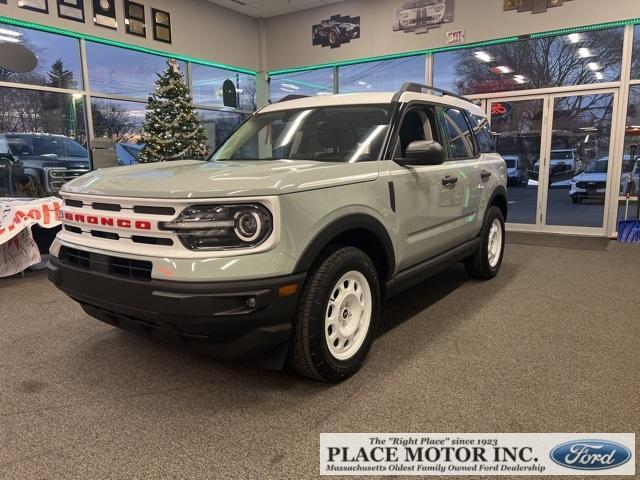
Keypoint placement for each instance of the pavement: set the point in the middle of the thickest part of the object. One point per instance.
(550, 345)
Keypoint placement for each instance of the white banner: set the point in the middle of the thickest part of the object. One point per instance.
(462, 454)
(18, 250)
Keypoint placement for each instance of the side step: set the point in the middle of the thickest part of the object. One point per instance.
(413, 275)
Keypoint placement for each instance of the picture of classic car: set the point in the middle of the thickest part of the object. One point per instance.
(336, 30)
(419, 15)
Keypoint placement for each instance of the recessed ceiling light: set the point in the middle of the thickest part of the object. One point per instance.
(9, 39)
(505, 69)
(574, 37)
(593, 66)
(584, 52)
(599, 75)
(483, 56)
(519, 78)
(11, 33)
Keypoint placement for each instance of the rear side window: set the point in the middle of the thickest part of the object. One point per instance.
(483, 134)
(460, 139)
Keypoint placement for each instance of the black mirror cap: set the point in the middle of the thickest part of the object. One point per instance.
(423, 152)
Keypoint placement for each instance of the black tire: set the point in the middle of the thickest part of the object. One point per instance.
(478, 265)
(309, 353)
(334, 38)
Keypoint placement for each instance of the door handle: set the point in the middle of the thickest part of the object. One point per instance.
(484, 175)
(449, 180)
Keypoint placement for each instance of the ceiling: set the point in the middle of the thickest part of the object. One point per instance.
(271, 8)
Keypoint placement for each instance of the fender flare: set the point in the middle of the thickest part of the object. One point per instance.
(359, 221)
(499, 191)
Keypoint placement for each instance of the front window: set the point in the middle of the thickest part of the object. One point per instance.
(327, 134)
(598, 167)
(561, 155)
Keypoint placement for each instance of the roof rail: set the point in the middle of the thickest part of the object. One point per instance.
(293, 96)
(420, 88)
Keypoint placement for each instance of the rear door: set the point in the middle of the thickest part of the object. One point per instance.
(429, 198)
(464, 160)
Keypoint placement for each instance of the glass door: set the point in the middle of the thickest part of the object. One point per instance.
(558, 153)
(577, 163)
(518, 128)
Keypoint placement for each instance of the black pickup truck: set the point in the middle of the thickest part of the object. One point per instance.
(38, 164)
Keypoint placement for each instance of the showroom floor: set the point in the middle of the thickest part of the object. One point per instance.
(551, 345)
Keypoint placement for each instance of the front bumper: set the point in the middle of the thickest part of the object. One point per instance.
(212, 317)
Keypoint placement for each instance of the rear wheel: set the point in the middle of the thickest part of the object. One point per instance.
(337, 316)
(485, 263)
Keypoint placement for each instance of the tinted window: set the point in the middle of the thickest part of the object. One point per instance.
(483, 134)
(207, 86)
(460, 140)
(418, 124)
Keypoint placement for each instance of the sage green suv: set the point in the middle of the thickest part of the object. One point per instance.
(282, 245)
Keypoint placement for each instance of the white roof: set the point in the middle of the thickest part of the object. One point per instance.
(371, 98)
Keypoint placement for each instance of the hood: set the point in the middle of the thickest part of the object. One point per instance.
(42, 161)
(198, 179)
(590, 177)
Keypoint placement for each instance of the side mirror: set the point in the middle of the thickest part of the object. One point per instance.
(6, 160)
(423, 152)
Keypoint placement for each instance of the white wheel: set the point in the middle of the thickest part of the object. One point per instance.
(494, 249)
(348, 315)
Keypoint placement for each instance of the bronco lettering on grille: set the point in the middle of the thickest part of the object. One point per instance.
(107, 221)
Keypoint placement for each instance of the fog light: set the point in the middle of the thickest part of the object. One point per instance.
(250, 302)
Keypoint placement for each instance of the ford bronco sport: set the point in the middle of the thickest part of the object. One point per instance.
(283, 244)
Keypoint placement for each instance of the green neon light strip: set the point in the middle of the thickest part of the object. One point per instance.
(515, 38)
(115, 43)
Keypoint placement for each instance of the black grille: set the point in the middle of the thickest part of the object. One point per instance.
(73, 203)
(150, 210)
(72, 229)
(107, 264)
(111, 207)
(594, 185)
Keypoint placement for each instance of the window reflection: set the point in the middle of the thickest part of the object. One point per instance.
(207, 87)
(42, 141)
(58, 59)
(123, 72)
(313, 82)
(574, 59)
(382, 76)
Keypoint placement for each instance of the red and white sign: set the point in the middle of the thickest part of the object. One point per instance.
(17, 248)
(456, 37)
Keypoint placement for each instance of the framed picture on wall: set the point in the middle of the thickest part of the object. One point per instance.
(35, 5)
(161, 25)
(104, 13)
(71, 10)
(134, 18)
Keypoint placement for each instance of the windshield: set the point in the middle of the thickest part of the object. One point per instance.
(327, 134)
(35, 145)
(598, 167)
(561, 155)
(511, 163)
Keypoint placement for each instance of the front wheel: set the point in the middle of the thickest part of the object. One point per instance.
(337, 317)
(485, 263)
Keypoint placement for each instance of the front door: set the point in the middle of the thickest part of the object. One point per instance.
(430, 198)
(558, 153)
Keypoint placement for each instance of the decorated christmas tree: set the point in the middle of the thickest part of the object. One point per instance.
(172, 129)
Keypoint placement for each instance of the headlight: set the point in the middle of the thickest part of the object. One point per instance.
(222, 227)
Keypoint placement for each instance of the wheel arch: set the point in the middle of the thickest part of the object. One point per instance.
(358, 230)
(499, 199)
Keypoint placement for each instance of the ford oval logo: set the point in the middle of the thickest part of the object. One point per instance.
(590, 454)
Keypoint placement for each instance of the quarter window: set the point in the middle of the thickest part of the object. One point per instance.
(460, 139)
(483, 134)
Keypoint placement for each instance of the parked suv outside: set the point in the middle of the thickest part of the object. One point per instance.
(45, 160)
(284, 243)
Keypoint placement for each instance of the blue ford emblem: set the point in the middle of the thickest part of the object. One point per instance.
(590, 454)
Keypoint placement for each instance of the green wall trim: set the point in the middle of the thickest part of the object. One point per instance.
(116, 43)
(514, 38)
